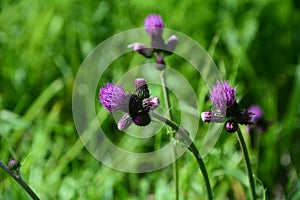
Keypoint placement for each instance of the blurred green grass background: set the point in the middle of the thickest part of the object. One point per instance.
(255, 45)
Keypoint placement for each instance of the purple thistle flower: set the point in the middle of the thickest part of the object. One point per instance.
(261, 123)
(136, 106)
(113, 97)
(223, 95)
(255, 109)
(154, 25)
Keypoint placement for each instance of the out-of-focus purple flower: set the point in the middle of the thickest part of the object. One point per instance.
(113, 97)
(261, 124)
(136, 106)
(223, 95)
(246, 117)
(257, 111)
(154, 25)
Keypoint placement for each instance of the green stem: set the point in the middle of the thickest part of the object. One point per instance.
(165, 93)
(19, 179)
(184, 134)
(247, 160)
(201, 164)
(169, 115)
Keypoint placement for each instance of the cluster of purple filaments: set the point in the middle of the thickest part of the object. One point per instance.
(113, 97)
(223, 95)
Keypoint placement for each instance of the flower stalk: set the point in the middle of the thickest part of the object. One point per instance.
(184, 134)
(247, 160)
(169, 115)
(154, 26)
(223, 96)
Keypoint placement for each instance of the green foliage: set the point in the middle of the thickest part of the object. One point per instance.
(255, 45)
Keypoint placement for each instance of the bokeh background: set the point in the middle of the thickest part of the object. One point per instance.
(255, 45)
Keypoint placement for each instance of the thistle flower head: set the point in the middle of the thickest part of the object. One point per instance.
(154, 25)
(113, 97)
(223, 95)
(135, 105)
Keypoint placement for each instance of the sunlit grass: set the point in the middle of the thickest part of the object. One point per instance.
(255, 45)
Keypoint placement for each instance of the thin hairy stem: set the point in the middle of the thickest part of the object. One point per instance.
(184, 135)
(247, 160)
(169, 115)
(19, 179)
(165, 93)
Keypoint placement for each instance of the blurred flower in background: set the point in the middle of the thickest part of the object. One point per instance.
(154, 26)
(261, 124)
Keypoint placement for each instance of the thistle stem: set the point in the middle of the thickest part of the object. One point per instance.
(185, 136)
(165, 93)
(19, 179)
(169, 115)
(247, 160)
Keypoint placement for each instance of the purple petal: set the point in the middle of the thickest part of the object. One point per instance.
(124, 122)
(154, 25)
